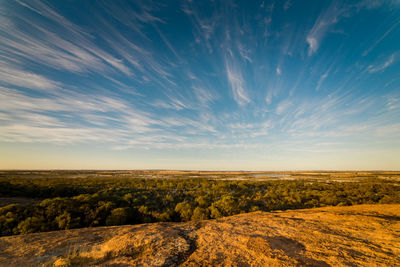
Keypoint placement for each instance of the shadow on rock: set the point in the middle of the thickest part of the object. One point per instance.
(274, 245)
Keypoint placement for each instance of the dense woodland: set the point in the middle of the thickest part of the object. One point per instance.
(65, 203)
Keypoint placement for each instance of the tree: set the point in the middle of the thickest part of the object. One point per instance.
(214, 212)
(64, 221)
(203, 201)
(227, 205)
(128, 198)
(200, 214)
(118, 216)
(185, 210)
(31, 225)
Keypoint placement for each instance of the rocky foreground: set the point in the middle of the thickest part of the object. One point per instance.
(333, 236)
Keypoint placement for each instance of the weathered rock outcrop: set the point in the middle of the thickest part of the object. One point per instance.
(332, 236)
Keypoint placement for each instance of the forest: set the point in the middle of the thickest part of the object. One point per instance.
(66, 203)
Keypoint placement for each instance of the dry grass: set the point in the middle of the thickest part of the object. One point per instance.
(365, 235)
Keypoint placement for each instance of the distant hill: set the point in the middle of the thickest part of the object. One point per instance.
(333, 236)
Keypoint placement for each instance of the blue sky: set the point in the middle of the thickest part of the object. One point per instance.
(242, 85)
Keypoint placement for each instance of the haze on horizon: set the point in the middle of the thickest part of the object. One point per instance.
(207, 85)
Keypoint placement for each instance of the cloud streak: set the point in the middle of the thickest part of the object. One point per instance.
(322, 25)
(383, 66)
(13, 76)
(236, 81)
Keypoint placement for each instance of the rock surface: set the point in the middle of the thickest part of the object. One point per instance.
(364, 235)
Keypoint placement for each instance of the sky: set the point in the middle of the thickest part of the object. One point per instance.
(206, 85)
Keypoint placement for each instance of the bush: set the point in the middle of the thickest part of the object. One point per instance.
(118, 216)
(200, 214)
(31, 225)
(185, 211)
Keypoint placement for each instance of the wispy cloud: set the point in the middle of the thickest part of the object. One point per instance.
(393, 102)
(244, 52)
(44, 118)
(392, 130)
(321, 80)
(287, 5)
(172, 101)
(204, 26)
(13, 76)
(382, 66)
(236, 81)
(283, 106)
(203, 95)
(394, 26)
(73, 52)
(322, 25)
